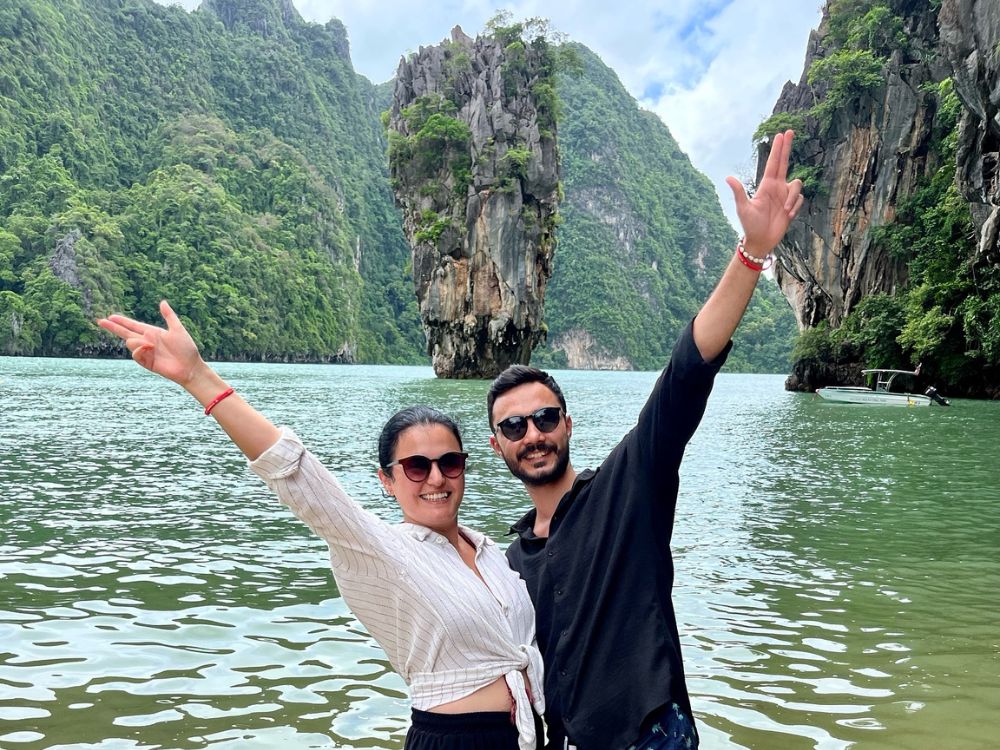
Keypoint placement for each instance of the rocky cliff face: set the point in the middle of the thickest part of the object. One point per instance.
(475, 171)
(970, 35)
(883, 204)
(872, 155)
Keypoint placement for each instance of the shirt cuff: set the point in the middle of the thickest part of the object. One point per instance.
(281, 460)
(687, 351)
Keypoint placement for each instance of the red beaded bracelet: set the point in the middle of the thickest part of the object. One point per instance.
(751, 262)
(215, 401)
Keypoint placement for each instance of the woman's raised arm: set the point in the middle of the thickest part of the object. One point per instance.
(171, 353)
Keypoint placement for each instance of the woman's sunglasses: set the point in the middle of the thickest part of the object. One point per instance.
(546, 419)
(418, 468)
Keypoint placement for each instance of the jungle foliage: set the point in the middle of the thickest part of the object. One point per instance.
(226, 159)
(230, 160)
(633, 273)
(948, 315)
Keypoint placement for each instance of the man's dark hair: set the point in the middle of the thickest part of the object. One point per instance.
(516, 375)
(401, 421)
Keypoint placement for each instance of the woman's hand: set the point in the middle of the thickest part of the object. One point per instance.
(169, 352)
(172, 353)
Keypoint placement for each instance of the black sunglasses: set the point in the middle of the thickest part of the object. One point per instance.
(546, 419)
(418, 468)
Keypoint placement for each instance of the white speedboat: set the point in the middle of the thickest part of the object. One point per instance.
(879, 392)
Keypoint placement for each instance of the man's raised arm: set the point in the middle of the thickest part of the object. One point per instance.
(764, 218)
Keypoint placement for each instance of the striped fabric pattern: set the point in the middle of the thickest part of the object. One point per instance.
(445, 632)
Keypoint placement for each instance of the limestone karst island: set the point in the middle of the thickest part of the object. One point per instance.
(502, 199)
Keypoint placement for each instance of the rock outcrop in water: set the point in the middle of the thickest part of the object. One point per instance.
(880, 149)
(475, 170)
(872, 154)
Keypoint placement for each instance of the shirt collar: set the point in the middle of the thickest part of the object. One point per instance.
(420, 533)
(525, 528)
(478, 540)
(423, 534)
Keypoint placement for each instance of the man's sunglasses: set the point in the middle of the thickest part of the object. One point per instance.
(418, 468)
(546, 419)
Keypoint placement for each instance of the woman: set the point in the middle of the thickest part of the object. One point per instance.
(453, 619)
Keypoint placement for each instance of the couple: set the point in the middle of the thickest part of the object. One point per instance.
(593, 557)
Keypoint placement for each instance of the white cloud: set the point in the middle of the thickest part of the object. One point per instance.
(714, 119)
(716, 67)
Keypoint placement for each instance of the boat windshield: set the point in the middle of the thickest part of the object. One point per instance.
(883, 378)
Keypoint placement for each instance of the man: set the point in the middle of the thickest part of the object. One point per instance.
(595, 551)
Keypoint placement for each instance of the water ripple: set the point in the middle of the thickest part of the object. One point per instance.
(837, 577)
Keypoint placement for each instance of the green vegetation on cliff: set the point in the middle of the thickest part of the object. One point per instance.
(229, 159)
(860, 37)
(861, 34)
(643, 239)
(439, 141)
(947, 315)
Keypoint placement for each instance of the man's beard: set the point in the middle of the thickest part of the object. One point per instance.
(549, 477)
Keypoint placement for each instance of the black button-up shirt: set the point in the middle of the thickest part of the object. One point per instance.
(601, 582)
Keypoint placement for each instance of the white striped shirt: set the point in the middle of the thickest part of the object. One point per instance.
(446, 633)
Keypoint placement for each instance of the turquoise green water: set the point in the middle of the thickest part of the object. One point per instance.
(838, 578)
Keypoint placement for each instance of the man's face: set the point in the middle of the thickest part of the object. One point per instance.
(538, 458)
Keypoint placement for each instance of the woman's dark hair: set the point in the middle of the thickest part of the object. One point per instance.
(402, 420)
(516, 375)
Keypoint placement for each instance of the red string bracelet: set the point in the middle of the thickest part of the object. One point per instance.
(751, 262)
(215, 401)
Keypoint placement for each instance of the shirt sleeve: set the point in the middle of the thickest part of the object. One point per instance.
(360, 542)
(675, 407)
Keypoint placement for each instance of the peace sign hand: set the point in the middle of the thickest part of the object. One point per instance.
(765, 217)
(169, 352)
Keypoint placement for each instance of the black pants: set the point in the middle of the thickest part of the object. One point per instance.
(488, 730)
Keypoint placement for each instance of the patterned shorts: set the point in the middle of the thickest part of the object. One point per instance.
(672, 730)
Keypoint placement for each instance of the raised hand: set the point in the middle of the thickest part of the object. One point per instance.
(766, 216)
(170, 352)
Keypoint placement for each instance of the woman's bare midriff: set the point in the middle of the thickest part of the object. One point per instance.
(493, 697)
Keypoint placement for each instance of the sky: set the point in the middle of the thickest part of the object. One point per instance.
(711, 69)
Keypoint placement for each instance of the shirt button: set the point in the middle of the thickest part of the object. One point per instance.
(550, 553)
(563, 673)
(558, 592)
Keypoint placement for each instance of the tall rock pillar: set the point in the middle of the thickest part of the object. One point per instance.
(474, 168)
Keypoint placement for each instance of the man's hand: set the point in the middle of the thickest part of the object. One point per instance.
(765, 217)
(765, 220)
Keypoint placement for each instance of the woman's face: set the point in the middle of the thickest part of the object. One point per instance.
(434, 501)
